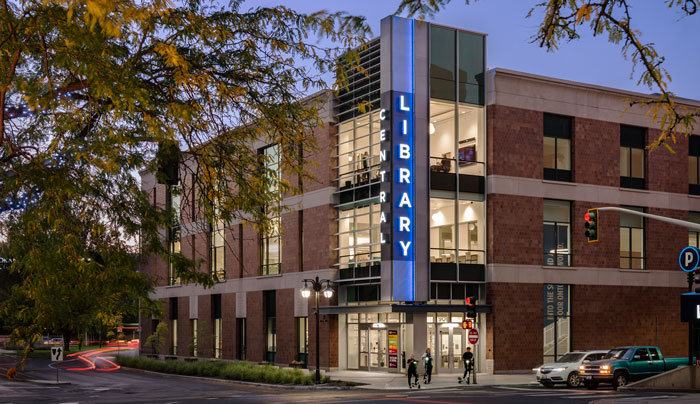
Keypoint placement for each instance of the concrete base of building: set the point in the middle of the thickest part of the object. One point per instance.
(686, 379)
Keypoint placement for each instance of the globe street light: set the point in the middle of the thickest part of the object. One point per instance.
(317, 286)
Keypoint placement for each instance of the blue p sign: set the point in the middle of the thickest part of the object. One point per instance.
(689, 259)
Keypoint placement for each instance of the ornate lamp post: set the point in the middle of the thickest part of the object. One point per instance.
(317, 286)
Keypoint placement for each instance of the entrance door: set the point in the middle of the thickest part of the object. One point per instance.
(373, 349)
(444, 341)
(457, 347)
(451, 344)
(364, 349)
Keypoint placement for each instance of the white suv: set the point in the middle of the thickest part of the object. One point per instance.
(565, 369)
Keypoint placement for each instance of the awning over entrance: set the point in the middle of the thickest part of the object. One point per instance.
(402, 308)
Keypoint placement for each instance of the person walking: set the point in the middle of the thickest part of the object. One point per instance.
(412, 371)
(468, 359)
(428, 360)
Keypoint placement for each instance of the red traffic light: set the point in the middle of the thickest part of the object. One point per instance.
(587, 217)
(468, 301)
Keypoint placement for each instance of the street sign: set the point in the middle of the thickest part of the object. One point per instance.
(690, 308)
(689, 258)
(473, 336)
(56, 354)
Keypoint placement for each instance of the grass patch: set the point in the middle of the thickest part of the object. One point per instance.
(242, 371)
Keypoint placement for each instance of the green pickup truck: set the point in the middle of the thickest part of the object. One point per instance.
(625, 364)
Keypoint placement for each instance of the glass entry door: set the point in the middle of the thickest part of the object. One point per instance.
(451, 340)
(373, 349)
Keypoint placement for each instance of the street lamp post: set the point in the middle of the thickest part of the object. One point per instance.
(317, 286)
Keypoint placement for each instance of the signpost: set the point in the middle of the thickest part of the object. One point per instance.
(473, 336)
(56, 356)
(688, 261)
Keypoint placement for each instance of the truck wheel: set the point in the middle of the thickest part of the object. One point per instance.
(619, 380)
(573, 380)
(591, 385)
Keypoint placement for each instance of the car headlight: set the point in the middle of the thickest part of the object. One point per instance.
(535, 370)
(582, 367)
(605, 367)
(558, 369)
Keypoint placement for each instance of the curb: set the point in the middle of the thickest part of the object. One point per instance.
(214, 379)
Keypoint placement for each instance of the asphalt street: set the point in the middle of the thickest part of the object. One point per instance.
(124, 386)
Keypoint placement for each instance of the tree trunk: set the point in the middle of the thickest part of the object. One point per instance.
(66, 342)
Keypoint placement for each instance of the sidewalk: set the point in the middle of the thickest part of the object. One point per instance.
(393, 381)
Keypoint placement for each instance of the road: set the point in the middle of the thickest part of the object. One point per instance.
(123, 386)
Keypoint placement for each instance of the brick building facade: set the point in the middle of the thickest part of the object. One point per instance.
(497, 216)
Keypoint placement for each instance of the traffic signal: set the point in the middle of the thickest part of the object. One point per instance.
(591, 218)
(471, 308)
(467, 324)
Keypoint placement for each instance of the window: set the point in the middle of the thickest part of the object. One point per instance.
(362, 293)
(442, 63)
(557, 235)
(359, 243)
(270, 238)
(358, 158)
(455, 292)
(471, 232)
(173, 249)
(694, 165)
(217, 239)
(694, 235)
(632, 145)
(270, 301)
(557, 147)
(303, 340)
(631, 240)
(466, 155)
(442, 230)
(241, 338)
(557, 321)
(173, 325)
(195, 332)
(218, 327)
(471, 68)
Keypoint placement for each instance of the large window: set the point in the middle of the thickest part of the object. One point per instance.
(557, 233)
(358, 158)
(557, 147)
(359, 244)
(270, 325)
(631, 240)
(465, 154)
(218, 326)
(693, 235)
(557, 321)
(217, 260)
(271, 238)
(452, 51)
(694, 165)
(465, 246)
(303, 340)
(632, 150)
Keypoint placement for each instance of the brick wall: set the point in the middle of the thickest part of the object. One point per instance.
(664, 241)
(205, 342)
(251, 252)
(319, 241)
(286, 326)
(228, 314)
(514, 141)
(290, 242)
(256, 343)
(666, 171)
(184, 328)
(606, 252)
(322, 163)
(232, 252)
(328, 335)
(514, 229)
(596, 152)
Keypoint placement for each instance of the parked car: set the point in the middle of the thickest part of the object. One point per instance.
(566, 368)
(55, 341)
(625, 364)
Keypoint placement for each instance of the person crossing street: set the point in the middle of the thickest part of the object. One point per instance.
(428, 360)
(412, 371)
(468, 360)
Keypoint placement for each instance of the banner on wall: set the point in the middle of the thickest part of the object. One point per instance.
(393, 349)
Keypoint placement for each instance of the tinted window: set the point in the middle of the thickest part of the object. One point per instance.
(442, 63)
(595, 356)
(570, 357)
(471, 68)
(654, 354)
(642, 353)
(617, 353)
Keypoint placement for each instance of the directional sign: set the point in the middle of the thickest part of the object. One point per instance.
(473, 336)
(56, 354)
(689, 258)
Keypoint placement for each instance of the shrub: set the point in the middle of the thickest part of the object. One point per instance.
(242, 371)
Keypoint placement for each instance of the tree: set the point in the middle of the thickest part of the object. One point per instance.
(564, 20)
(158, 339)
(91, 92)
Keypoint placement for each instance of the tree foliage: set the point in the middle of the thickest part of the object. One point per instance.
(564, 20)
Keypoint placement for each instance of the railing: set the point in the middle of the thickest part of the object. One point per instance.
(450, 166)
(450, 255)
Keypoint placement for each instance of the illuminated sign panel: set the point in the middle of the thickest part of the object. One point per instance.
(397, 195)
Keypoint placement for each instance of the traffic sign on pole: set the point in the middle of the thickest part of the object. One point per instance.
(689, 258)
(473, 336)
(56, 354)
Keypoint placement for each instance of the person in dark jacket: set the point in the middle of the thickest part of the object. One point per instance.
(468, 360)
(412, 371)
(428, 360)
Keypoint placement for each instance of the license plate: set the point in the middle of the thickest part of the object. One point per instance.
(589, 377)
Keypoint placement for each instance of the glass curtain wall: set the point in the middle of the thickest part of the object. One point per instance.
(557, 233)
(359, 249)
(465, 246)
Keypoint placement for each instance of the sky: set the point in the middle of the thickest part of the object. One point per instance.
(588, 60)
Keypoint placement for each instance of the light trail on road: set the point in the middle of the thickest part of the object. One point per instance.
(91, 358)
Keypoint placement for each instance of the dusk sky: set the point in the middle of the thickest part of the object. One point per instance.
(588, 60)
